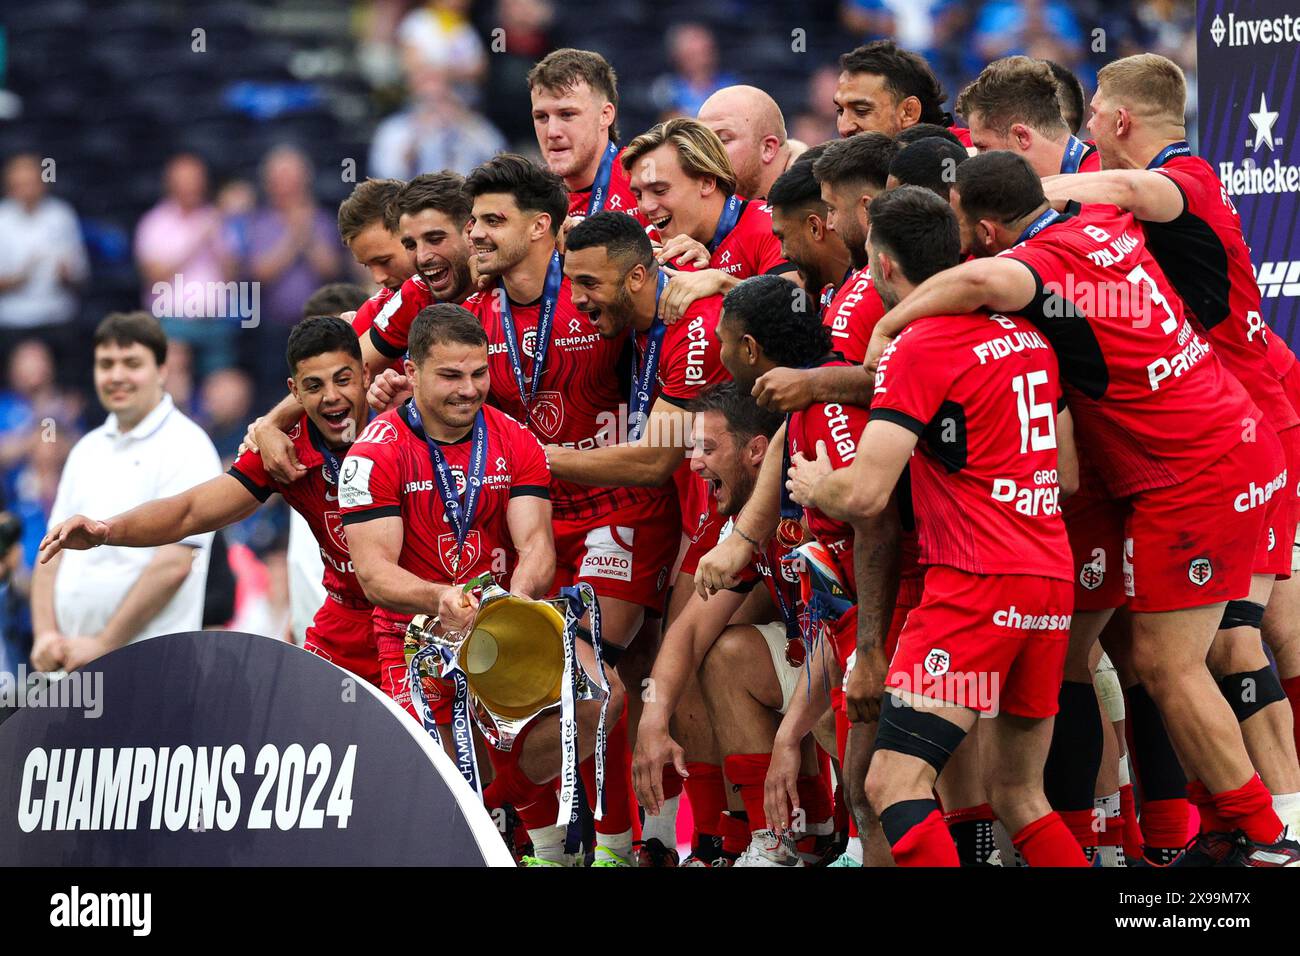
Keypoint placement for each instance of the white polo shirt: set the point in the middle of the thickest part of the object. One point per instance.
(109, 472)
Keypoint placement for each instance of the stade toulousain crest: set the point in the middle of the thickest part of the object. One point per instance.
(223, 749)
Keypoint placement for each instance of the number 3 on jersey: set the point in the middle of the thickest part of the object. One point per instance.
(1033, 435)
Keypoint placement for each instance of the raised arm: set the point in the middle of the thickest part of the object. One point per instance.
(1147, 194)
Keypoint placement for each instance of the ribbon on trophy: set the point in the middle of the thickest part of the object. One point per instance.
(462, 738)
(578, 600)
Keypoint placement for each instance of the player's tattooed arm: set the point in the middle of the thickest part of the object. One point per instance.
(998, 284)
(756, 522)
(214, 504)
(648, 462)
(375, 546)
(529, 520)
(1147, 194)
(876, 566)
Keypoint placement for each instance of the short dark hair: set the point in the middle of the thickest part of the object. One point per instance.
(1000, 186)
(781, 317)
(534, 188)
(1070, 92)
(905, 74)
(368, 203)
(317, 335)
(444, 323)
(1014, 89)
(930, 163)
(863, 158)
(925, 131)
(918, 229)
(443, 191)
(796, 188)
(334, 299)
(561, 70)
(132, 328)
(619, 234)
(745, 419)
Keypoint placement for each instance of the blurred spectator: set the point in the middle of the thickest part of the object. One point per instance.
(1045, 29)
(31, 405)
(179, 382)
(184, 258)
(237, 201)
(293, 247)
(439, 34)
(816, 124)
(527, 24)
(225, 408)
(438, 131)
(695, 76)
(42, 263)
(262, 591)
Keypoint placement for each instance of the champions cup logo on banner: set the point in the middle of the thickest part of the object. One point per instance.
(1248, 64)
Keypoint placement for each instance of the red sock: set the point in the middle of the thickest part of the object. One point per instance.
(734, 833)
(1048, 842)
(747, 772)
(1250, 808)
(672, 782)
(620, 811)
(1132, 832)
(815, 799)
(1291, 687)
(536, 804)
(1082, 826)
(704, 789)
(1164, 823)
(927, 843)
(1203, 800)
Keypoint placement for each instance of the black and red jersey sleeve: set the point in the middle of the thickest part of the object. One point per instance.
(392, 324)
(365, 317)
(369, 483)
(251, 473)
(692, 356)
(912, 381)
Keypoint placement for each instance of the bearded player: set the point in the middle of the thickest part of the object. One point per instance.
(328, 385)
(885, 89)
(750, 126)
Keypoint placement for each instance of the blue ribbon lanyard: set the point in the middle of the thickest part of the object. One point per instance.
(1075, 150)
(460, 515)
(645, 371)
(1180, 148)
(1038, 225)
(542, 343)
(600, 188)
(726, 222)
(462, 736)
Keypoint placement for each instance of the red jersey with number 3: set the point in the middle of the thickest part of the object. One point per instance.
(1205, 257)
(1153, 405)
(852, 315)
(315, 498)
(388, 473)
(980, 392)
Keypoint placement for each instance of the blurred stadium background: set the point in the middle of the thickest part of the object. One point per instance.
(102, 95)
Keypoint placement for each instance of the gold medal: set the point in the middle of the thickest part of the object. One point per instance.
(789, 533)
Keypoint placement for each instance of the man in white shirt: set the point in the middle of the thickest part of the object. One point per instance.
(87, 603)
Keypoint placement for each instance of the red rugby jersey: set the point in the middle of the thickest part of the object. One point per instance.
(852, 315)
(981, 393)
(388, 473)
(1206, 259)
(315, 498)
(1152, 403)
(392, 322)
(750, 249)
(365, 317)
(962, 133)
(618, 198)
(579, 396)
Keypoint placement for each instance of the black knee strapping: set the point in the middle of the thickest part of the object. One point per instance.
(610, 654)
(916, 733)
(897, 818)
(1242, 614)
(1070, 774)
(1250, 692)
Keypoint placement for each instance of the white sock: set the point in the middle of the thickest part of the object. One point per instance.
(664, 826)
(548, 843)
(854, 849)
(618, 843)
(1107, 807)
(1287, 807)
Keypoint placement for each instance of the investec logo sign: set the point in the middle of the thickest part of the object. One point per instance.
(1266, 175)
(1251, 32)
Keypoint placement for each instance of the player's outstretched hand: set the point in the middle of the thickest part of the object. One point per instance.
(684, 288)
(781, 787)
(456, 609)
(682, 250)
(805, 473)
(278, 457)
(389, 388)
(721, 567)
(784, 390)
(78, 533)
(865, 686)
(654, 749)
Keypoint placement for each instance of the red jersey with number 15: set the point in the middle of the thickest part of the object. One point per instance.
(316, 499)
(980, 392)
(388, 473)
(1152, 403)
